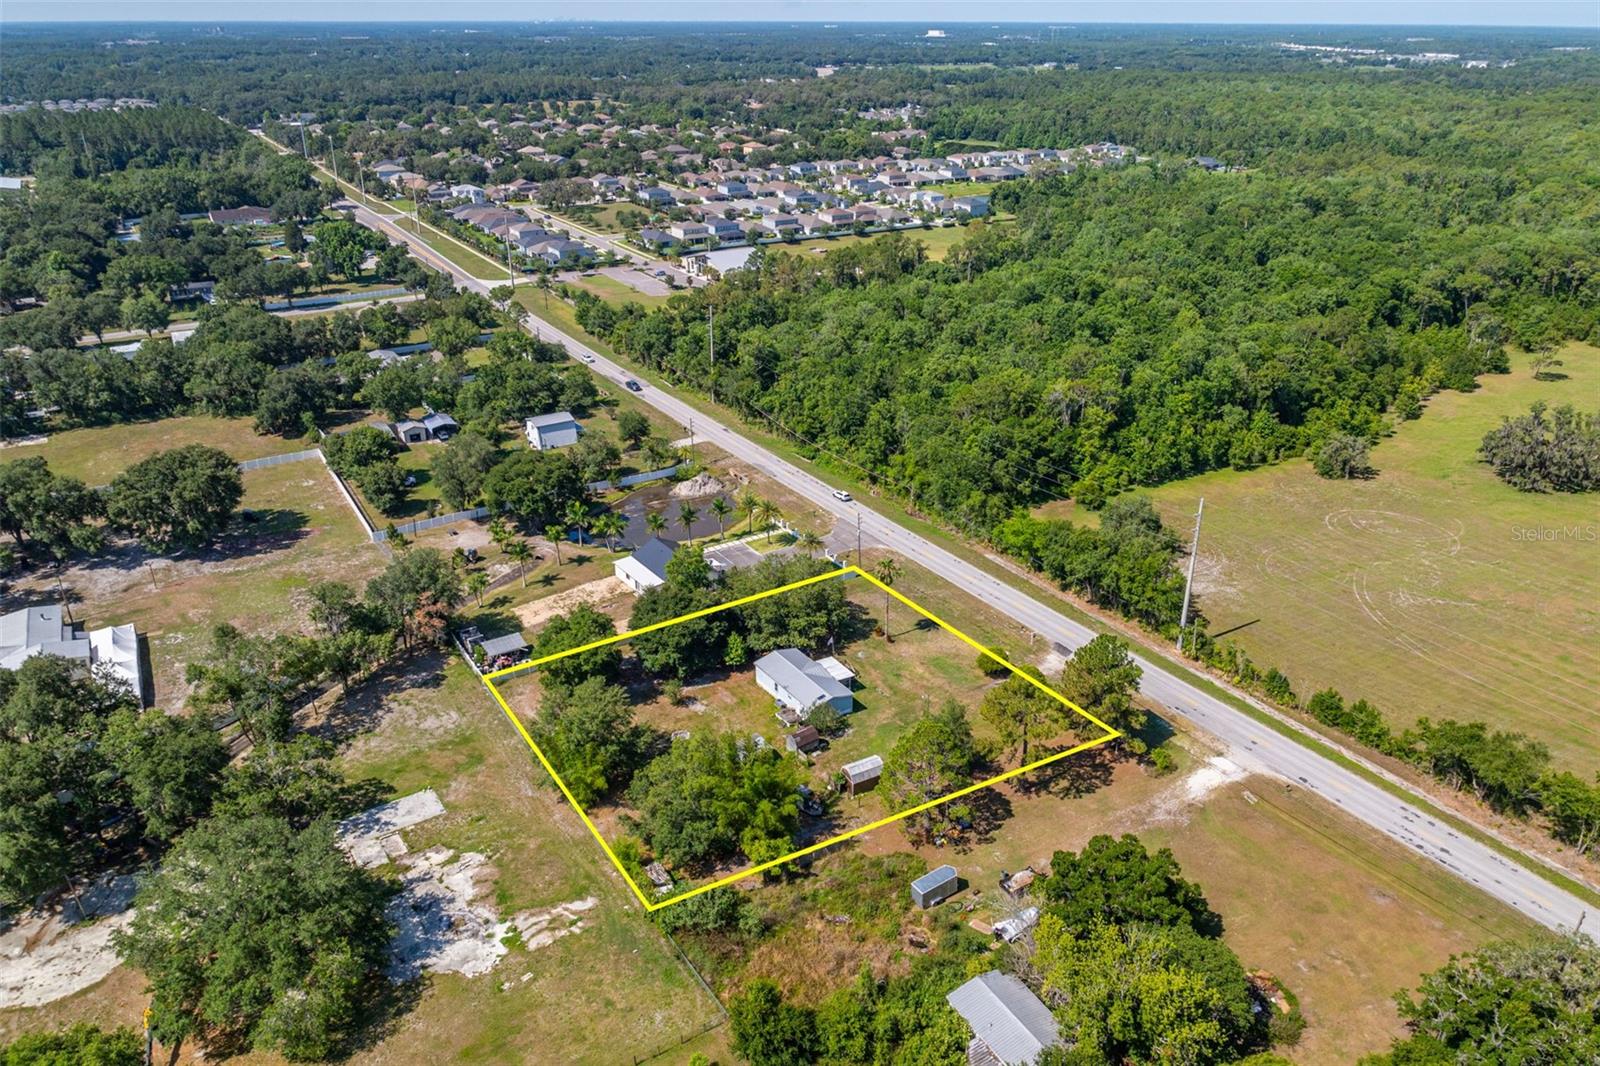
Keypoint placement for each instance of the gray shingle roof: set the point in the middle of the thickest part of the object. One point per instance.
(1010, 1020)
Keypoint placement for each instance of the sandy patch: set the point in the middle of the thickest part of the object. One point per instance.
(1173, 805)
(542, 928)
(443, 927)
(604, 590)
(48, 955)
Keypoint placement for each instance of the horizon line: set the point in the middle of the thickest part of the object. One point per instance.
(825, 23)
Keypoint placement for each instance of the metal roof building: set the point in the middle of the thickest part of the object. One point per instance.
(1008, 1021)
(646, 568)
(800, 683)
(556, 430)
(935, 886)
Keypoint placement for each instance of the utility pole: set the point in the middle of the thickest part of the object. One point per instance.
(711, 339)
(333, 161)
(858, 534)
(1188, 583)
(305, 153)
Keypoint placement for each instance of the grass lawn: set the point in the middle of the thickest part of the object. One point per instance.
(99, 453)
(1426, 589)
(1344, 916)
(613, 291)
(938, 239)
(602, 218)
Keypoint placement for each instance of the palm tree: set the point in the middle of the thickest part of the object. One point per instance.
(577, 516)
(721, 509)
(610, 525)
(686, 517)
(770, 514)
(499, 532)
(476, 582)
(809, 543)
(886, 571)
(519, 552)
(750, 503)
(555, 534)
(458, 559)
(655, 523)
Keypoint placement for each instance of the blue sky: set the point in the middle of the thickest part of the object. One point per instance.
(1579, 13)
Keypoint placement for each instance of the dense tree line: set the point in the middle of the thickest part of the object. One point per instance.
(1135, 326)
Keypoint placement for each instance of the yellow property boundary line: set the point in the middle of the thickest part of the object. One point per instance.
(651, 905)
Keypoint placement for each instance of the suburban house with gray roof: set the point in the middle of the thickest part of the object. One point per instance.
(556, 430)
(646, 568)
(1010, 1025)
(801, 684)
(41, 631)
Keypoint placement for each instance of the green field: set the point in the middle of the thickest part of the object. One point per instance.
(939, 240)
(1431, 589)
(99, 453)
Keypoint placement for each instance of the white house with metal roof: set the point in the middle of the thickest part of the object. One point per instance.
(646, 567)
(556, 430)
(802, 684)
(41, 631)
(1010, 1025)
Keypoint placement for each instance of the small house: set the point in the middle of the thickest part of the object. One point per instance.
(556, 430)
(646, 568)
(862, 775)
(1010, 1025)
(40, 630)
(801, 684)
(409, 431)
(804, 740)
(935, 886)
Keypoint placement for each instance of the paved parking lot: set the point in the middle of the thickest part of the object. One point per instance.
(639, 281)
(735, 556)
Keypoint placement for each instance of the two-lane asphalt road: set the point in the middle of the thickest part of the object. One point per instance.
(1254, 745)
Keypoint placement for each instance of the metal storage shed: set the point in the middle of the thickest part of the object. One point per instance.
(935, 886)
